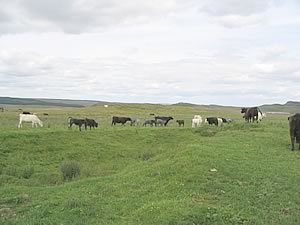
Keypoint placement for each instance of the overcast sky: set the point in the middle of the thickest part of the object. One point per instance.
(228, 52)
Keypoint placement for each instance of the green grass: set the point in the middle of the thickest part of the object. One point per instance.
(159, 175)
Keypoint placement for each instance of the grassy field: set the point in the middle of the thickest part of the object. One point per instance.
(236, 174)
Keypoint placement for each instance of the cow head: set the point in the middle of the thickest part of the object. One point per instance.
(243, 110)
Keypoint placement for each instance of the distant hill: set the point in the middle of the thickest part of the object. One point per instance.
(290, 106)
(46, 102)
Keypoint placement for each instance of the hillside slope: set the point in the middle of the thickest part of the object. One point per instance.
(153, 175)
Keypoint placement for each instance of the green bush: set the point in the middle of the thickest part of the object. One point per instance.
(27, 172)
(70, 170)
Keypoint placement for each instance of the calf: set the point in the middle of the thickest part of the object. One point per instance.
(149, 122)
(294, 124)
(180, 122)
(91, 123)
(160, 122)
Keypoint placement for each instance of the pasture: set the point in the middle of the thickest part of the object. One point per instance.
(235, 174)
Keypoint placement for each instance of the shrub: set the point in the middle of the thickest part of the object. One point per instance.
(70, 170)
(27, 172)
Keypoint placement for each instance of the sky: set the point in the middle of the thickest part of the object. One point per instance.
(227, 52)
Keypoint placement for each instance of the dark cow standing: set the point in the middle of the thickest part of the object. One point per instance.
(91, 123)
(212, 120)
(166, 119)
(251, 114)
(122, 120)
(180, 122)
(25, 112)
(78, 122)
(294, 123)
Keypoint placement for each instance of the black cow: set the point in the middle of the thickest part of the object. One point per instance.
(166, 119)
(78, 122)
(212, 120)
(117, 119)
(180, 122)
(25, 112)
(91, 123)
(1, 109)
(224, 119)
(294, 123)
(251, 114)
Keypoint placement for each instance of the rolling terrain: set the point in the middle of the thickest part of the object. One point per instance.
(235, 174)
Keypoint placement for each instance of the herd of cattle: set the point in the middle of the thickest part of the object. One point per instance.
(253, 114)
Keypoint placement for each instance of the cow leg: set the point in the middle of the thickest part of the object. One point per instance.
(20, 124)
(79, 127)
(293, 143)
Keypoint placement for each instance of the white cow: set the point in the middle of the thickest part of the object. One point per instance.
(260, 116)
(196, 121)
(220, 122)
(30, 118)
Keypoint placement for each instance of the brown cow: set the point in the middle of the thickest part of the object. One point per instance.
(294, 122)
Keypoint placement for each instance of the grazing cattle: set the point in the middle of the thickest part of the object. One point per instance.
(160, 122)
(149, 122)
(122, 120)
(196, 121)
(212, 120)
(251, 114)
(1, 109)
(45, 114)
(180, 122)
(91, 123)
(166, 119)
(152, 114)
(135, 122)
(294, 124)
(224, 120)
(33, 119)
(78, 122)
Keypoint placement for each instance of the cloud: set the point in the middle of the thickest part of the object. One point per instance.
(234, 21)
(235, 13)
(78, 16)
(235, 7)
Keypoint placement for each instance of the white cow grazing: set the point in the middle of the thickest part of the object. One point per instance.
(29, 118)
(196, 121)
